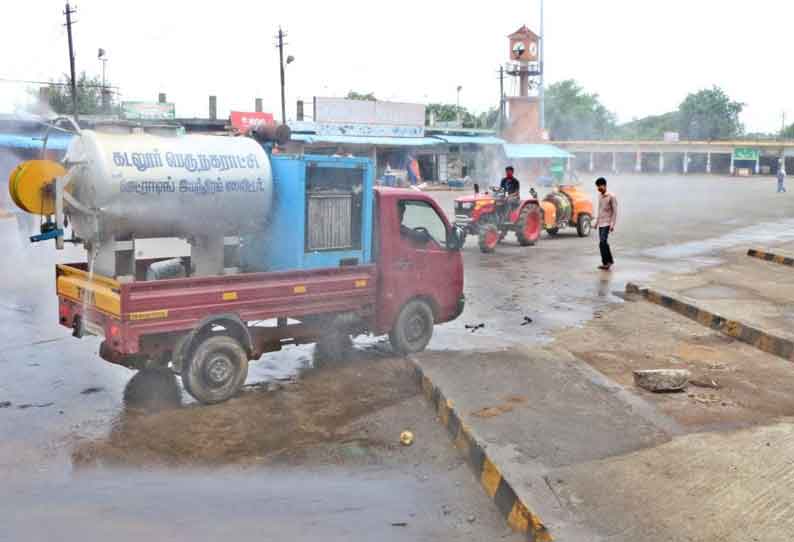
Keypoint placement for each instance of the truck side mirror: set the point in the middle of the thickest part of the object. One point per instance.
(455, 238)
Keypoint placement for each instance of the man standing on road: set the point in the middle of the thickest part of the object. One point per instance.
(607, 216)
(781, 179)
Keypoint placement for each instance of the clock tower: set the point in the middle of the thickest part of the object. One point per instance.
(523, 110)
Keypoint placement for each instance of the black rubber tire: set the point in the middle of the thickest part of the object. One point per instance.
(584, 225)
(333, 347)
(152, 390)
(553, 231)
(487, 230)
(216, 370)
(528, 240)
(413, 328)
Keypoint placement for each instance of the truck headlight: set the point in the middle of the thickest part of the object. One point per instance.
(467, 205)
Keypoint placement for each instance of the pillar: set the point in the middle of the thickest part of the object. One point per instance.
(708, 162)
(661, 162)
(592, 162)
(638, 163)
(686, 163)
(758, 163)
(732, 168)
(213, 107)
(614, 162)
(258, 105)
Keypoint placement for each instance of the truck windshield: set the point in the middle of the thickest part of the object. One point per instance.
(420, 214)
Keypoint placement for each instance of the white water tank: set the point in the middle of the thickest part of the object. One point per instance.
(143, 185)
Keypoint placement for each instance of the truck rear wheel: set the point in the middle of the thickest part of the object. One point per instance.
(217, 369)
(413, 328)
(528, 227)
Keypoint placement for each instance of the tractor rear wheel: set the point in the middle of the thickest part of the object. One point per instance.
(488, 237)
(583, 225)
(529, 225)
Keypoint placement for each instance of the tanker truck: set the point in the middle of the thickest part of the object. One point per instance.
(283, 250)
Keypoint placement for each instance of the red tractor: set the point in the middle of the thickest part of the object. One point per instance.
(491, 215)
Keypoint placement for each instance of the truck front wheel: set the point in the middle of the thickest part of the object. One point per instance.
(413, 328)
(217, 369)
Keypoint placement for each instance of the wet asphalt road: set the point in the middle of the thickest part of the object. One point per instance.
(60, 391)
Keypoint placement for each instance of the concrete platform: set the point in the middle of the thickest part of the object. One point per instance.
(533, 411)
(731, 487)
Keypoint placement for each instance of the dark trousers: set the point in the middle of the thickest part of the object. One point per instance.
(603, 244)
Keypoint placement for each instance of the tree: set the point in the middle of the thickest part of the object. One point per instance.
(449, 113)
(89, 95)
(788, 132)
(572, 113)
(353, 95)
(710, 114)
(650, 127)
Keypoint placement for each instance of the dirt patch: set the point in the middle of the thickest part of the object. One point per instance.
(507, 406)
(257, 426)
(748, 386)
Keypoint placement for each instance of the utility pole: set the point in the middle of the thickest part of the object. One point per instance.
(501, 97)
(68, 12)
(281, 35)
(541, 89)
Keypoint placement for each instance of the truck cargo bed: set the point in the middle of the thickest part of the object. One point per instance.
(123, 312)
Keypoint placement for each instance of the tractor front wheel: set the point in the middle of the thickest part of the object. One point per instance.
(584, 225)
(488, 237)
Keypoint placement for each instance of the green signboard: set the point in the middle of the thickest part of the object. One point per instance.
(745, 154)
(148, 111)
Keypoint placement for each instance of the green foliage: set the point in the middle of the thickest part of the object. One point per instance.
(788, 132)
(449, 113)
(353, 95)
(709, 114)
(651, 127)
(572, 113)
(89, 95)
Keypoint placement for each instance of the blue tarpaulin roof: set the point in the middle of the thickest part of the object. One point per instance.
(476, 140)
(35, 142)
(530, 150)
(367, 140)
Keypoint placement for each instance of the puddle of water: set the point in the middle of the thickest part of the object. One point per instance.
(767, 232)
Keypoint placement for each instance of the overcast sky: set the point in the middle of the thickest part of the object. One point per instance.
(641, 56)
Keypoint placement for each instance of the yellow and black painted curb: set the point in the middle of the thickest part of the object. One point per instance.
(770, 257)
(766, 342)
(515, 511)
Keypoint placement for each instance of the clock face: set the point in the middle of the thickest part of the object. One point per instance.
(518, 49)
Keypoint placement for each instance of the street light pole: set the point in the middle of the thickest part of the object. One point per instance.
(457, 109)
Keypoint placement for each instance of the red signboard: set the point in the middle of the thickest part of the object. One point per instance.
(243, 121)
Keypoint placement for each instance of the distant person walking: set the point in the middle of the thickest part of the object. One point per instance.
(781, 179)
(607, 217)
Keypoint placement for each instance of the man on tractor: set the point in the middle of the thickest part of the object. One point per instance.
(512, 188)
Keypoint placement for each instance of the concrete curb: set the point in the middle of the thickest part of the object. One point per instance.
(515, 511)
(770, 257)
(766, 342)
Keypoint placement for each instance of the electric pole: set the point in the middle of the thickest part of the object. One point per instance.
(280, 46)
(501, 97)
(68, 12)
(541, 90)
